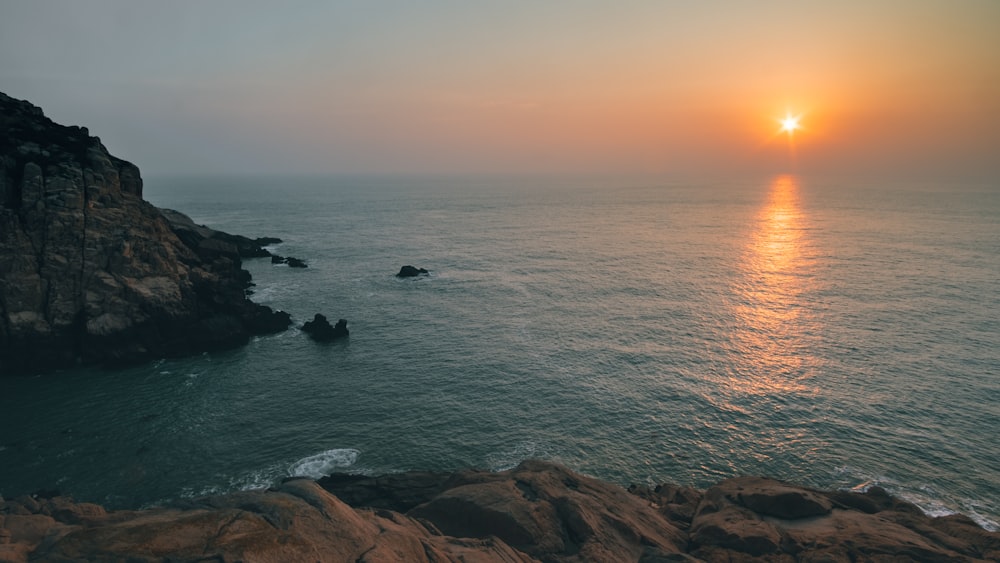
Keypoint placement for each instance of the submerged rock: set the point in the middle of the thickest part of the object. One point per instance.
(411, 272)
(292, 262)
(319, 329)
(92, 273)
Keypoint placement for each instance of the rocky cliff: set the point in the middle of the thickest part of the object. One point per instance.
(90, 272)
(537, 512)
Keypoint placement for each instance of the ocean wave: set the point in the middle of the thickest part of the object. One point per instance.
(509, 459)
(322, 464)
(263, 294)
(927, 498)
(255, 480)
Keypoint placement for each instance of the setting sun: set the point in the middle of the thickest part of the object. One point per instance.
(790, 123)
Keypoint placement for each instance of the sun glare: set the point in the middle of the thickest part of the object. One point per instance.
(790, 123)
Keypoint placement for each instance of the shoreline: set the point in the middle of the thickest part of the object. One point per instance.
(536, 511)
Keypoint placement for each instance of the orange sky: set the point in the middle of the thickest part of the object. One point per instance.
(633, 88)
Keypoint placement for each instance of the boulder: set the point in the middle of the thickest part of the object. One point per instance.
(396, 491)
(540, 508)
(537, 511)
(411, 272)
(769, 497)
(319, 329)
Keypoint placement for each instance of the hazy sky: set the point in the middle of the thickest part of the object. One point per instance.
(434, 86)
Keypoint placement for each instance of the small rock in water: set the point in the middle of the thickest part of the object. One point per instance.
(410, 272)
(319, 329)
(291, 261)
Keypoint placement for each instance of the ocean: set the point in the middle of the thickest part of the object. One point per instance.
(833, 333)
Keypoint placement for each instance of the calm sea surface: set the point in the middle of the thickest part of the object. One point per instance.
(827, 333)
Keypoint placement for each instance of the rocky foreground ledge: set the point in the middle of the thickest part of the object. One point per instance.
(539, 511)
(92, 273)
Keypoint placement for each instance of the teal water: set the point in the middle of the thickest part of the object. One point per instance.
(829, 333)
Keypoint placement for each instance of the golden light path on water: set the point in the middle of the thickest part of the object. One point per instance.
(774, 322)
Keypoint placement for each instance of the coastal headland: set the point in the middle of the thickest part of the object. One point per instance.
(90, 273)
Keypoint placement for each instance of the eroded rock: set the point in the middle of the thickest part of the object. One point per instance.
(92, 273)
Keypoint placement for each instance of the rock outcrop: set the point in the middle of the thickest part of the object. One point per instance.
(539, 511)
(200, 236)
(296, 521)
(292, 262)
(92, 273)
(411, 272)
(319, 329)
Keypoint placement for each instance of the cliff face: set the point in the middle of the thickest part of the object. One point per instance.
(537, 512)
(89, 272)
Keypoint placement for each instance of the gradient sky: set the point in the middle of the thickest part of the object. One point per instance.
(615, 88)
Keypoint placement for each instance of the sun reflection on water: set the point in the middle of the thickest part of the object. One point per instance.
(773, 326)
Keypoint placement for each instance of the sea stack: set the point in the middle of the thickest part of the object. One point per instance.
(411, 272)
(319, 329)
(92, 273)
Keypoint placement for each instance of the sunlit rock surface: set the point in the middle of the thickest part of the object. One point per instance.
(539, 511)
(89, 272)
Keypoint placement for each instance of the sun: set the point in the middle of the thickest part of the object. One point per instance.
(790, 123)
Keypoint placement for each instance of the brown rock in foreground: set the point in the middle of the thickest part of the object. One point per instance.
(537, 512)
(297, 521)
(91, 273)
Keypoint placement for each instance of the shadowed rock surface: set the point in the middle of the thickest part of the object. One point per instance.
(539, 511)
(92, 273)
(290, 261)
(319, 329)
(411, 272)
(195, 236)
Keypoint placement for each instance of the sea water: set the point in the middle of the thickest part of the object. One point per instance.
(831, 333)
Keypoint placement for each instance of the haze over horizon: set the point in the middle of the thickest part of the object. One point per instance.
(442, 87)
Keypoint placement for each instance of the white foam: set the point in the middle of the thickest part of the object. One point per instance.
(925, 497)
(250, 481)
(509, 459)
(323, 464)
(254, 480)
(986, 523)
(263, 294)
